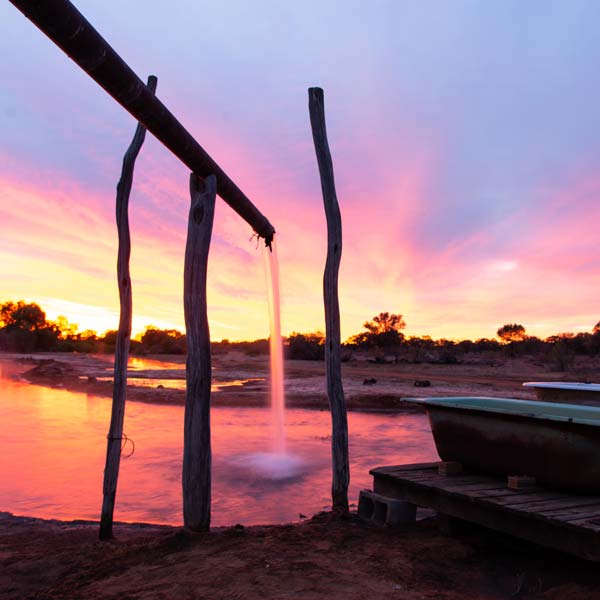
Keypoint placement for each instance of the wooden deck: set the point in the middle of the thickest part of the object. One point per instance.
(569, 523)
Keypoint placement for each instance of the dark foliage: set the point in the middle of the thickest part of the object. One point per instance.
(306, 346)
(254, 348)
(24, 328)
(382, 334)
(511, 332)
(163, 341)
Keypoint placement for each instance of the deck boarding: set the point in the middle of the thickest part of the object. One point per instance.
(566, 522)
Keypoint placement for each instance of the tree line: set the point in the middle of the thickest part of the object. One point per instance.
(24, 328)
(384, 339)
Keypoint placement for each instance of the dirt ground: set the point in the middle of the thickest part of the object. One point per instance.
(367, 386)
(324, 558)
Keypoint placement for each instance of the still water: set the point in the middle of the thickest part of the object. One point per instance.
(53, 447)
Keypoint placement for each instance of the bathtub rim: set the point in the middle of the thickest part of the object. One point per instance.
(540, 411)
(568, 386)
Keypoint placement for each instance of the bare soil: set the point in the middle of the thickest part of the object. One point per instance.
(325, 557)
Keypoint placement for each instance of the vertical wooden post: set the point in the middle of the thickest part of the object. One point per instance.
(335, 391)
(115, 432)
(196, 477)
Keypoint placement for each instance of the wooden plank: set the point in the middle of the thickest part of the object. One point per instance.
(432, 474)
(447, 483)
(404, 468)
(473, 488)
(333, 361)
(505, 492)
(450, 483)
(557, 504)
(472, 485)
(115, 431)
(476, 487)
(581, 541)
(589, 524)
(577, 513)
(515, 501)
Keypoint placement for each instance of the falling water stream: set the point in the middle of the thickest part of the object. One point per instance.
(277, 463)
(276, 347)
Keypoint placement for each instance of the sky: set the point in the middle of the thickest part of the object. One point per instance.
(465, 138)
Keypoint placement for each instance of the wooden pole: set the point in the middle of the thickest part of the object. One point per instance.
(196, 477)
(115, 432)
(333, 363)
(76, 36)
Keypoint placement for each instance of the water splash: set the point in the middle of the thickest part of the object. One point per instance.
(276, 347)
(272, 466)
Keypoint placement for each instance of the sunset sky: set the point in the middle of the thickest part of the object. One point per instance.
(466, 144)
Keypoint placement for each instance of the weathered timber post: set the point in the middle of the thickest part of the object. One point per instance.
(196, 479)
(115, 432)
(335, 391)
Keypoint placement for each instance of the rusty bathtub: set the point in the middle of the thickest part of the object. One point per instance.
(558, 444)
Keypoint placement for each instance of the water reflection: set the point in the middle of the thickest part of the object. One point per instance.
(54, 442)
(179, 384)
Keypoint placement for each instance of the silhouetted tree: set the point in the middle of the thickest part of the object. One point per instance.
(27, 317)
(383, 333)
(385, 322)
(163, 341)
(447, 352)
(511, 332)
(486, 345)
(25, 329)
(306, 346)
(110, 337)
(67, 331)
(360, 340)
(560, 353)
(421, 348)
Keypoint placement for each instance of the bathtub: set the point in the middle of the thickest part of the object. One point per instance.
(558, 444)
(566, 392)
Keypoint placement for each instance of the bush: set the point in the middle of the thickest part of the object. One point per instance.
(163, 341)
(306, 346)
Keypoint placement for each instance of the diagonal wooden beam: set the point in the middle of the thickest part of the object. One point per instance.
(70, 30)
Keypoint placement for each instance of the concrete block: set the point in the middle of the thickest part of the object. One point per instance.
(383, 510)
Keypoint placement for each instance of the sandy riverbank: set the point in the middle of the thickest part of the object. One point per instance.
(325, 557)
(245, 378)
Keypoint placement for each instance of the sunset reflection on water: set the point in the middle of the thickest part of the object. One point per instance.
(54, 444)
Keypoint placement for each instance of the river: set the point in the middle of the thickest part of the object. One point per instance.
(54, 444)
